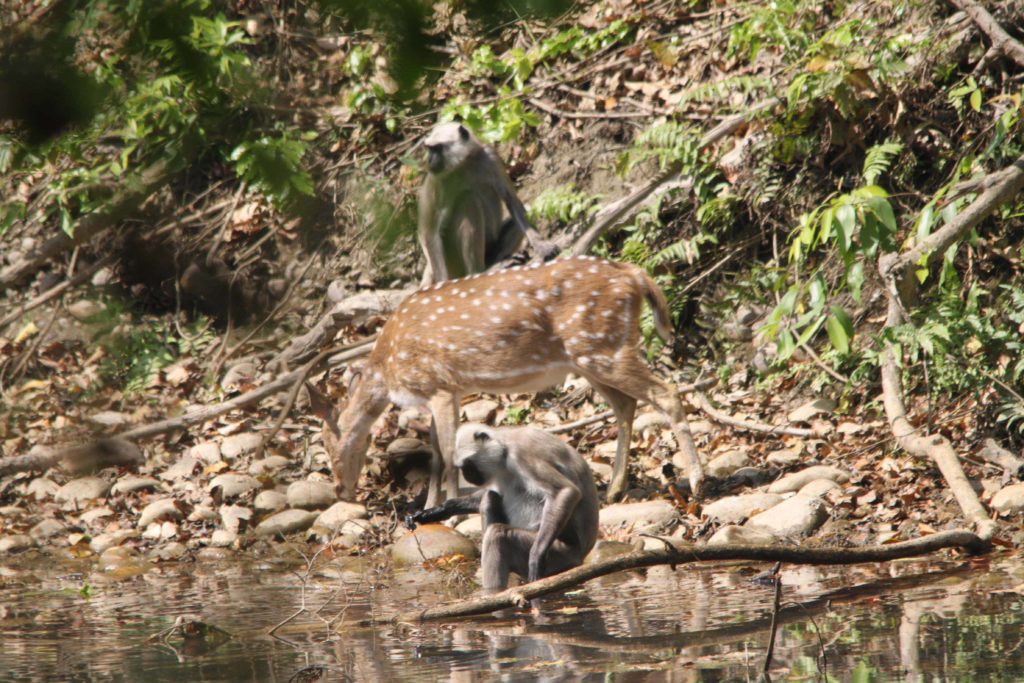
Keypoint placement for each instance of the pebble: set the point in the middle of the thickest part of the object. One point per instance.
(94, 515)
(742, 534)
(348, 534)
(643, 517)
(102, 542)
(109, 418)
(41, 488)
(183, 469)
(207, 451)
(131, 484)
(735, 509)
(794, 481)
(203, 513)
(334, 517)
(238, 374)
(159, 511)
(605, 550)
(471, 527)
(1009, 499)
(818, 488)
(15, 543)
(794, 517)
(84, 309)
(269, 465)
(232, 485)
(784, 457)
(222, 538)
(482, 410)
(286, 522)
(81, 490)
(429, 542)
(235, 518)
(650, 420)
(727, 463)
(311, 495)
(239, 444)
(811, 409)
(48, 528)
(159, 531)
(406, 445)
(270, 501)
(169, 552)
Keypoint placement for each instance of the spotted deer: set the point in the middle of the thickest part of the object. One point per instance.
(517, 330)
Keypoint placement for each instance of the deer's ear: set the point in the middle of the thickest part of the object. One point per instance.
(319, 404)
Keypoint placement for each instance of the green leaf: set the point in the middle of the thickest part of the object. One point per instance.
(786, 344)
(847, 219)
(854, 279)
(840, 329)
(976, 100)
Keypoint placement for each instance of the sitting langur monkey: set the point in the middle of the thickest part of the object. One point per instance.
(537, 500)
(461, 208)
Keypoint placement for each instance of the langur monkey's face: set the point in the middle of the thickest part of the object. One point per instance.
(479, 453)
(447, 147)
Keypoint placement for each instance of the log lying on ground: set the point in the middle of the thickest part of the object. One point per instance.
(992, 452)
(897, 271)
(751, 426)
(684, 554)
(1002, 41)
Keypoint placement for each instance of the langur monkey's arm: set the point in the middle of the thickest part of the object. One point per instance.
(561, 496)
(450, 508)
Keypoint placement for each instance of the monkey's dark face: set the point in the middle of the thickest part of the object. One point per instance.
(479, 454)
(448, 145)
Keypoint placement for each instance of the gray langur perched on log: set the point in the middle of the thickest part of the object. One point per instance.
(537, 499)
(462, 228)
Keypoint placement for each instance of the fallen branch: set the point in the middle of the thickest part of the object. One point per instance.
(685, 554)
(616, 213)
(1002, 41)
(554, 111)
(751, 426)
(137, 190)
(583, 422)
(897, 271)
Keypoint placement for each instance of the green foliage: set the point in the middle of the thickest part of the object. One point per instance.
(516, 415)
(725, 88)
(564, 203)
(273, 166)
(499, 121)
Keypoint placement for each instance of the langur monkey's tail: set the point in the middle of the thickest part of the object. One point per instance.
(659, 306)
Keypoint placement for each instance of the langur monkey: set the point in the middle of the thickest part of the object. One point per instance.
(461, 225)
(537, 499)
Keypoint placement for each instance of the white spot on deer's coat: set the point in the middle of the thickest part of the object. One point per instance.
(581, 308)
(496, 320)
(432, 317)
(507, 307)
(464, 316)
(462, 295)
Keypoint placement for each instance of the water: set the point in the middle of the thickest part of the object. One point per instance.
(903, 621)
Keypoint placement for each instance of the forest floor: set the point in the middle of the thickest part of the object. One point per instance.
(190, 303)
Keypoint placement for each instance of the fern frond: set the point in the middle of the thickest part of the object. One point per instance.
(879, 159)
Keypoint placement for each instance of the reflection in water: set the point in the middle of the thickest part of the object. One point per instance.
(906, 621)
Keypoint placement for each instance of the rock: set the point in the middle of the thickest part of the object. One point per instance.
(429, 542)
(1009, 499)
(286, 522)
(270, 501)
(649, 421)
(238, 374)
(48, 528)
(15, 543)
(211, 554)
(602, 471)
(81, 490)
(742, 534)
(235, 518)
(204, 513)
(42, 488)
(240, 444)
(347, 534)
(233, 485)
(207, 451)
(169, 552)
(797, 516)
(645, 516)
(406, 446)
(811, 409)
(91, 517)
(337, 291)
(335, 516)
(725, 464)
(605, 550)
(9, 512)
(185, 468)
(818, 488)
(471, 527)
(222, 538)
(311, 495)
(131, 484)
(794, 481)
(269, 465)
(737, 332)
(735, 509)
(160, 531)
(784, 457)
(159, 511)
(482, 410)
(83, 309)
(118, 556)
(109, 418)
(745, 315)
(100, 543)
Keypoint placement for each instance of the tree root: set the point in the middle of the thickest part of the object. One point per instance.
(1002, 41)
(751, 426)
